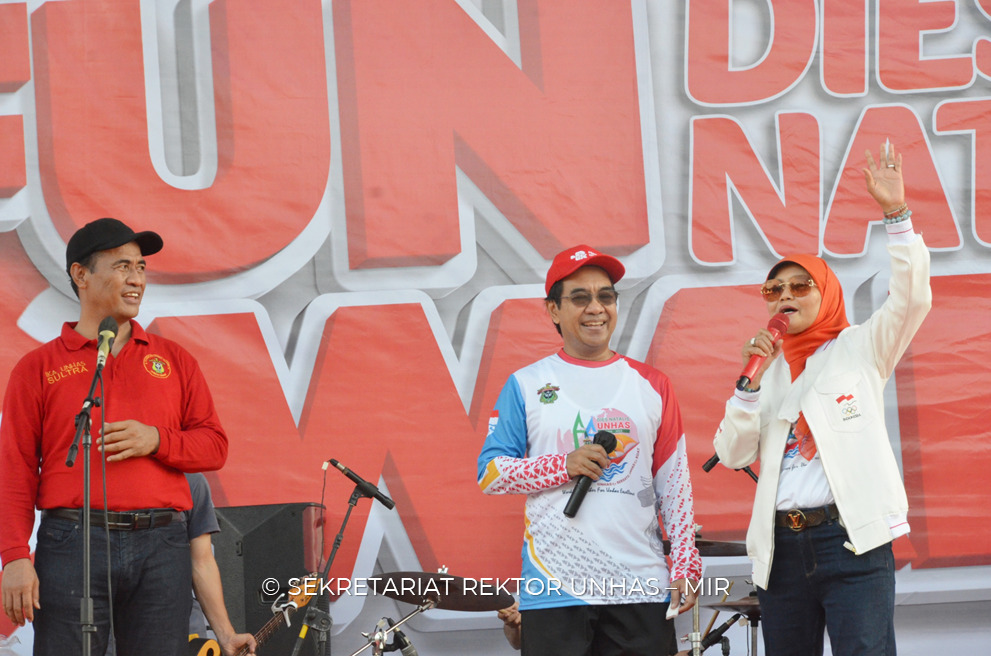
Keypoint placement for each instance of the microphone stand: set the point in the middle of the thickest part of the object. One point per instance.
(699, 646)
(84, 422)
(318, 614)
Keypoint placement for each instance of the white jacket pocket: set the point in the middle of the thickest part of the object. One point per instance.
(845, 401)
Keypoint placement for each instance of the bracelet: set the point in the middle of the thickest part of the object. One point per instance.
(746, 389)
(898, 218)
(897, 211)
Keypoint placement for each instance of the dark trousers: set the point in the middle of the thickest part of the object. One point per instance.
(151, 580)
(634, 629)
(818, 584)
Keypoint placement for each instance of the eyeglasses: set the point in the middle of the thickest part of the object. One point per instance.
(774, 292)
(584, 299)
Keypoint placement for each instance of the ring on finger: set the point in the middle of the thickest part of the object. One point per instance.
(753, 341)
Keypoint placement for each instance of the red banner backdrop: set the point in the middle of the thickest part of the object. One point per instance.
(344, 132)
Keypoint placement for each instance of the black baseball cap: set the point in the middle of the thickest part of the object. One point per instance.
(104, 234)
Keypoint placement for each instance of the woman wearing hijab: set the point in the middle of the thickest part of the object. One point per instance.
(830, 497)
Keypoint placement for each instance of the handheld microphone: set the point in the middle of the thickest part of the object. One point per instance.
(608, 442)
(777, 326)
(108, 331)
(370, 490)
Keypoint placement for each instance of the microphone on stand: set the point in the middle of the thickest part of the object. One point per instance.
(107, 333)
(365, 487)
(608, 442)
(716, 635)
(400, 641)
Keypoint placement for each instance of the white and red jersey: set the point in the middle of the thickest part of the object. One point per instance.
(612, 551)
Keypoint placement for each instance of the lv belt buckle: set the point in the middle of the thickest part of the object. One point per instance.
(796, 520)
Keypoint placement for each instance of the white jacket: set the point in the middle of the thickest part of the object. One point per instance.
(841, 394)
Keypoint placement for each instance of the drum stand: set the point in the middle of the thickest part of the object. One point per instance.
(423, 590)
(379, 636)
(696, 635)
(754, 619)
(748, 608)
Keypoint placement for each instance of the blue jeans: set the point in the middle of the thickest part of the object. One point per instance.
(152, 589)
(817, 584)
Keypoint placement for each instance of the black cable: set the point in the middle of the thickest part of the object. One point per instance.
(323, 509)
(106, 510)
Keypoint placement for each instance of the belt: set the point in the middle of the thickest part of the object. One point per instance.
(799, 519)
(124, 521)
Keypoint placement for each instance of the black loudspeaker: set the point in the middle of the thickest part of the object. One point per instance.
(256, 543)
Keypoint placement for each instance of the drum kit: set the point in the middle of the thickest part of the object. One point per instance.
(441, 590)
(747, 607)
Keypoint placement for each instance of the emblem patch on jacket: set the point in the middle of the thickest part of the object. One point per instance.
(548, 394)
(848, 407)
(157, 366)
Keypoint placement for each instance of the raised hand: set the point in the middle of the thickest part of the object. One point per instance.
(884, 179)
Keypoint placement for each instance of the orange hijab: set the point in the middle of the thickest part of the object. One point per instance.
(828, 323)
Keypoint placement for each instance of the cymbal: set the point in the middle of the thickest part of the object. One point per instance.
(445, 591)
(748, 606)
(709, 548)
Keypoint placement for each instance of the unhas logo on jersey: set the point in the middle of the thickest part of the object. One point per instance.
(548, 394)
(626, 454)
(157, 366)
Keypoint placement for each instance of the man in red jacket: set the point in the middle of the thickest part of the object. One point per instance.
(156, 421)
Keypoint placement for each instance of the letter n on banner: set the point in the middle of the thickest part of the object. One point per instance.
(556, 145)
(725, 166)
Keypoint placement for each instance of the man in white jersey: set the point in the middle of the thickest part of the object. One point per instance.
(598, 582)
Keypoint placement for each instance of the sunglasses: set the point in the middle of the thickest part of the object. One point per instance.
(773, 292)
(584, 299)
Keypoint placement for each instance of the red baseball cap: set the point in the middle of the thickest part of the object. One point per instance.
(569, 261)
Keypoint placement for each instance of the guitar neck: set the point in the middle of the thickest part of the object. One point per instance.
(278, 619)
(268, 629)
